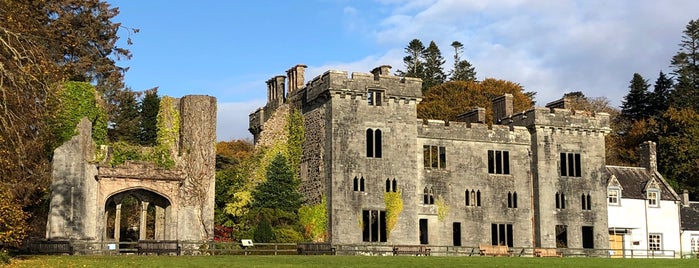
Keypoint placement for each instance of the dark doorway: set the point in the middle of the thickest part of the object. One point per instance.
(588, 237)
(457, 234)
(561, 236)
(423, 232)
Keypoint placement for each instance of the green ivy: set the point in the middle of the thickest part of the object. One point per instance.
(314, 219)
(394, 206)
(168, 123)
(442, 208)
(297, 136)
(74, 101)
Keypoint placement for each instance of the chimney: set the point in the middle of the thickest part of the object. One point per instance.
(477, 115)
(685, 198)
(381, 70)
(279, 88)
(296, 77)
(563, 103)
(648, 156)
(270, 91)
(502, 107)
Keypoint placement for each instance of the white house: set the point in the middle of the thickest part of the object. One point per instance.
(689, 226)
(643, 210)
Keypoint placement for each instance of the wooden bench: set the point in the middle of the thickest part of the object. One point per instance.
(416, 250)
(547, 252)
(315, 249)
(494, 250)
(50, 247)
(159, 247)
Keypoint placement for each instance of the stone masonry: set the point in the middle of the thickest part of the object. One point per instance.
(533, 179)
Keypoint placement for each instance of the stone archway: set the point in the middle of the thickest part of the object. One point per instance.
(151, 210)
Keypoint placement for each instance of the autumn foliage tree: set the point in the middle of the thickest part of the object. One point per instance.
(448, 100)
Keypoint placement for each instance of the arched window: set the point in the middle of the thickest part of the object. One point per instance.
(369, 143)
(377, 143)
(388, 185)
(361, 184)
(426, 196)
(514, 200)
(478, 198)
(356, 184)
(395, 186)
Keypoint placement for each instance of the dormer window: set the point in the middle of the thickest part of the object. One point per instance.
(614, 196)
(374, 97)
(653, 197)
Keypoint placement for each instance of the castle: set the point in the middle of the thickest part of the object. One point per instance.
(532, 179)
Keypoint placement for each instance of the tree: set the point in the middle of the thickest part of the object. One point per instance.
(12, 227)
(414, 65)
(125, 126)
(463, 71)
(686, 68)
(280, 190)
(148, 129)
(433, 72)
(448, 100)
(678, 149)
(636, 104)
(659, 100)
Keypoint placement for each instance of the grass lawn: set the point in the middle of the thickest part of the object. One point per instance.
(337, 261)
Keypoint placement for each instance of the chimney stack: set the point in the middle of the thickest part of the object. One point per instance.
(381, 70)
(649, 156)
(296, 77)
(502, 107)
(685, 198)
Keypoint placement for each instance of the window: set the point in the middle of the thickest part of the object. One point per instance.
(374, 97)
(473, 198)
(358, 184)
(428, 197)
(653, 198)
(373, 143)
(588, 237)
(585, 202)
(512, 200)
(374, 226)
(570, 165)
(613, 196)
(498, 162)
(434, 157)
(501, 234)
(694, 243)
(391, 185)
(655, 242)
(560, 200)
(561, 236)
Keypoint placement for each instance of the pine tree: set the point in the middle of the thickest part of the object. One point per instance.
(635, 104)
(149, 117)
(434, 72)
(280, 190)
(463, 71)
(660, 97)
(686, 69)
(125, 126)
(414, 65)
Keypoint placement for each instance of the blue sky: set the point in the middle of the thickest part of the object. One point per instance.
(228, 49)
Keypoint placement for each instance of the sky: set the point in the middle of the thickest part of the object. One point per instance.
(228, 49)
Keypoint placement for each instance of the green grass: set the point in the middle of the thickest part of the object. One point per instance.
(337, 261)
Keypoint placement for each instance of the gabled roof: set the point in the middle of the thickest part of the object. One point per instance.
(690, 216)
(635, 180)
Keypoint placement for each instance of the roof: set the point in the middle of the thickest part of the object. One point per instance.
(690, 216)
(633, 181)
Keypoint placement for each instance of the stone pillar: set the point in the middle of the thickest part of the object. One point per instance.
(117, 222)
(159, 223)
(144, 223)
(105, 225)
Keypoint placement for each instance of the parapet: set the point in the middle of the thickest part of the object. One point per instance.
(438, 129)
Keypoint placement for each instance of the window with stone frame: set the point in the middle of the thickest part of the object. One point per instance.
(502, 234)
(434, 157)
(653, 196)
(373, 143)
(374, 97)
(586, 202)
(498, 162)
(473, 198)
(614, 196)
(560, 200)
(358, 184)
(374, 226)
(428, 196)
(391, 185)
(694, 243)
(512, 199)
(655, 242)
(570, 165)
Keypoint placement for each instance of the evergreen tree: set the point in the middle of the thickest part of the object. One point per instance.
(686, 69)
(280, 190)
(660, 97)
(414, 65)
(125, 126)
(463, 71)
(635, 104)
(434, 72)
(149, 117)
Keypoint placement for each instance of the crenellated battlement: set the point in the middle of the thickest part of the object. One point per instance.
(438, 129)
(562, 119)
